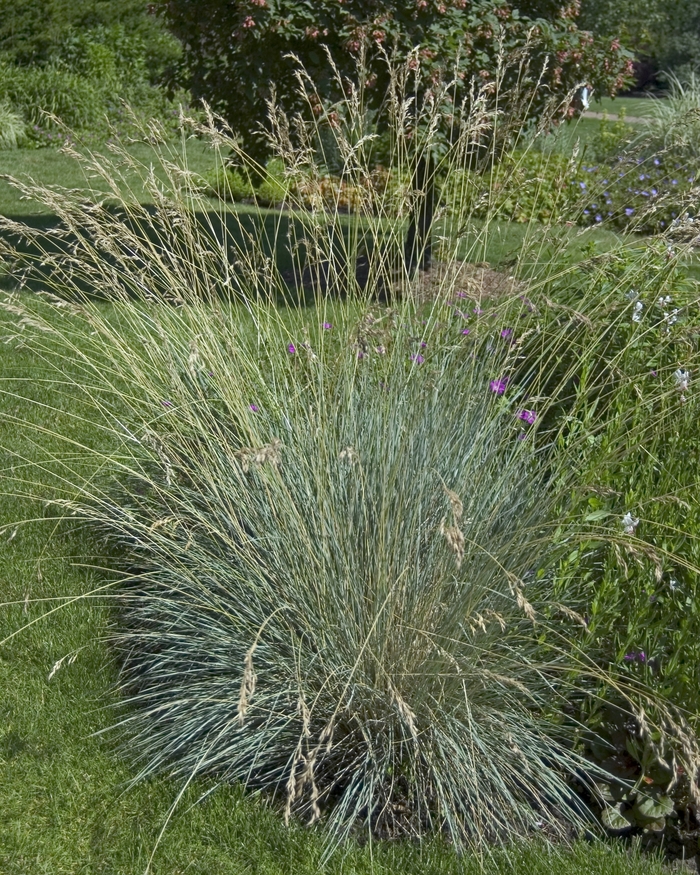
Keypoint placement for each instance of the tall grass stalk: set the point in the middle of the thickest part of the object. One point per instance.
(336, 525)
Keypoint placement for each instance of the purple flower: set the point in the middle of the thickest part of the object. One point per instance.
(628, 211)
(462, 294)
(478, 311)
(582, 184)
(327, 326)
(167, 403)
(654, 373)
(656, 162)
(291, 349)
(499, 386)
(522, 436)
(254, 408)
(639, 656)
(506, 333)
(361, 354)
(674, 182)
(417, 358)
(423, 344)
(528, 416)
(380, 350)
(466, 330)
(210, 373)
(598, 218)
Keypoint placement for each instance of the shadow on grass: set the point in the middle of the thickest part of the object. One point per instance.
(267, 252)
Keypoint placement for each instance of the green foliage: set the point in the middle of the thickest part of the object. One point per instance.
(33, 91)
(232, 184)
(663, 32)
(630, 180)
(638, 591)
(674, 122)
(38, 32)
(524, 186)
(87, 101)
(235, 52)
(12, 127)
(81, 61)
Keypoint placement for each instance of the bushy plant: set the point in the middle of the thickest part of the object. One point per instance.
(35, 91)
(12, 127)
(525, 185)
(637, 447)
(674, 121)
(40, 32)
(54, 97)
(645, 195)
(340, 528)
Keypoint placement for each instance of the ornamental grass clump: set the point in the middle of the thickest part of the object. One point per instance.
(333, 528)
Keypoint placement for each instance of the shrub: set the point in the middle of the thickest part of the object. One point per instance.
(525, 185)
(85, 84)
(341, 527)
(640, 599)
(34, 91)
(41, 32)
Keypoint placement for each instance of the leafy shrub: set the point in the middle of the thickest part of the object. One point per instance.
(85, 84)
(12, 127)
(524, 186)
(637, 598)
(78, 101)
(647, 196)
(86, 102)
(44, 32)
(229, 185)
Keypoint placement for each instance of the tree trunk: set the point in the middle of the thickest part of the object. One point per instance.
(418, 243)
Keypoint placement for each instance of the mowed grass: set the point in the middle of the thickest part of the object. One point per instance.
(52, 167)
(636, 107)
(65, 801)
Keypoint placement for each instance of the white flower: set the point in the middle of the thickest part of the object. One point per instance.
(629, 523)
(682, 379)
(637, 315)
(673, 584)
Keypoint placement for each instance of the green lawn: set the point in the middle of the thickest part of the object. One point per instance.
(636, 107)
(50, 167)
